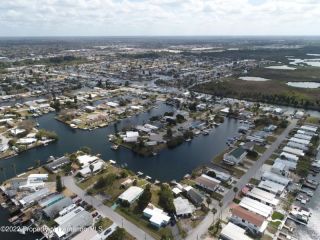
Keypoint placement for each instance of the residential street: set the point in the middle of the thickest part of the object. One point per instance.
(205, 224)
(106, 211)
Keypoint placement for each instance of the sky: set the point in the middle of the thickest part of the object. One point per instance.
(158, 17)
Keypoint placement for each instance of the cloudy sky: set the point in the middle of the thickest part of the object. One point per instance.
(158, 17)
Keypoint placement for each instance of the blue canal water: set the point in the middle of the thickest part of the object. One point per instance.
(169, 164)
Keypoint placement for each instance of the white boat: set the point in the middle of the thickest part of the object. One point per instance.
(115, 147)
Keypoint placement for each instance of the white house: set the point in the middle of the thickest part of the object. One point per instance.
(233, 232)
(131, 194)
(156, 216)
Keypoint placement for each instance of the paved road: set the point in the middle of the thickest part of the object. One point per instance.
(106, 211)
(205, 224)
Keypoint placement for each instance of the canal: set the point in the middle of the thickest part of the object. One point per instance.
(169, 164)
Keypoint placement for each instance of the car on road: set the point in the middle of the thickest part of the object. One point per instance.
(107, 231)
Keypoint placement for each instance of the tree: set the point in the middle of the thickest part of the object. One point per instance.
(118, 234)
(86, 150)
(166, 199)
(144, 199)
(59, 187)
(169, 133)
(91, 167)
(235, 190)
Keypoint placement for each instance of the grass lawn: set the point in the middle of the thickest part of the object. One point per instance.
(277, 215)
(259, 149)
(103, 224)
(313, 120)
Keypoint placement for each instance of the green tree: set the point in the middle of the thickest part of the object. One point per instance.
(144, 199)
(91, 167)
(166, 199)
(59, 187)
(118, 234)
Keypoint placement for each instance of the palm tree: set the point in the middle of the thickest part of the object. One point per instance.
(91, 168)
(235, 190)
(220, 205)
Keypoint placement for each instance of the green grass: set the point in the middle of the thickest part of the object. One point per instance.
(103, 224)
(277, 215)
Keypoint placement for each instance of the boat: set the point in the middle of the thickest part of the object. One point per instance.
(148, 178)
(307, 191)
(140, 173)
(115, 147)
(205, 132)
(188, 140)
(154, 153)
(30, 168)
(300, 214)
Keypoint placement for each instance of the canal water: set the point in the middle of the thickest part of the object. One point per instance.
(169, 164)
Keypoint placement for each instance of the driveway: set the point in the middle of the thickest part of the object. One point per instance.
(106, 211)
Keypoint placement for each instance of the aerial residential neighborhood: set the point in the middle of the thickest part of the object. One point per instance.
(159, 120)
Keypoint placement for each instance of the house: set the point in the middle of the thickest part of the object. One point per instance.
(34, 182)
(279, 168)
(301, 141)
(76, 222)
(289, 165)
(235, 156)
(183, 207)
(131, 194)
(272, 187)
(275, 178)
(208, 183)
(309, 128)
(256, 207)
(52, 210)
(233, 232)
(34, 197)
(263, 197)
(289, 157)
(86, 159)
(297, 146)
(98, 165)
(50, 199)
(57, 163)
(255, 223)
(156, 216)
(194, 196)
(131, 136)
(303, 136)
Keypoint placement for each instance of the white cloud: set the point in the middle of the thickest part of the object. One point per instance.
(159, 17)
